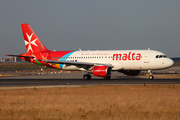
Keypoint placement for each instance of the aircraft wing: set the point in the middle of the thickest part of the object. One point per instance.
(85, 65)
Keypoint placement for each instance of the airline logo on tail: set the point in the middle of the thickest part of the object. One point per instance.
(30, 42)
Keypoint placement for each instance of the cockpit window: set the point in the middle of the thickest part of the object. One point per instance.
(161, 56)
(164, 56)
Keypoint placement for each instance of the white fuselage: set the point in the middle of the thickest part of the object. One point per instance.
(121, 59)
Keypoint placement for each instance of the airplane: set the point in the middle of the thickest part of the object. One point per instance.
(97, 62)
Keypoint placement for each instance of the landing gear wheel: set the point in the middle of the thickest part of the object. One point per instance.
(151, 77)
(87, 77)
(107, 78)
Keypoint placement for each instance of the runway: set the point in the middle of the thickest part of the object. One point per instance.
(76, 79)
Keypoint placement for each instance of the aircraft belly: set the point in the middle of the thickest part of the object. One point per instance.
(135, 66)
(69, 67)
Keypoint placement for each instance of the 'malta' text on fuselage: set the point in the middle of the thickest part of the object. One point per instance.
(125, 56)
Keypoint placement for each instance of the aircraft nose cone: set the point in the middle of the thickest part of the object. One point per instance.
(170, 63)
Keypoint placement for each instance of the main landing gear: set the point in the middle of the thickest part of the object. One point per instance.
(151, 77)
(87, 77)
(107, 78)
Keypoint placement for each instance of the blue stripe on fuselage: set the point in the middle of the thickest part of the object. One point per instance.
(64, 58)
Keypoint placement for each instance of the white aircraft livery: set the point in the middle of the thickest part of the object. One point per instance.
(97, 62)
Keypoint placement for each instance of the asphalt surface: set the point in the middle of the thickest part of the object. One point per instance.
(76, 79)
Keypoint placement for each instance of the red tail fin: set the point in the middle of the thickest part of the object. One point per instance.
(32, 42)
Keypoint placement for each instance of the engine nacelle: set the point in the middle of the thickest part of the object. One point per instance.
(131, 72)
(102, 71)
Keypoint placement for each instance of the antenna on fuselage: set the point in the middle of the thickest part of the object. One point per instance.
(79, 49)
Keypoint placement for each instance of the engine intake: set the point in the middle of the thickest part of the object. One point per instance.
(102, 71)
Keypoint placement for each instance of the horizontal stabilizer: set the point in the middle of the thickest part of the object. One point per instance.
(20, 56)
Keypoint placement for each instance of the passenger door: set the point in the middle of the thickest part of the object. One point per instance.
(146, 57)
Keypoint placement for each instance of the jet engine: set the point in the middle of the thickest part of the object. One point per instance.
(102, 71)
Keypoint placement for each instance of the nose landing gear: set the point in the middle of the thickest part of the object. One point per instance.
(151, 77)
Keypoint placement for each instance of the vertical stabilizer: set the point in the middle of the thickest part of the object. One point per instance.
(32, 42)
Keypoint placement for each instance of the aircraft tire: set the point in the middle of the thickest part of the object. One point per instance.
(87, 77)
(107, 78)
(151, 77)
